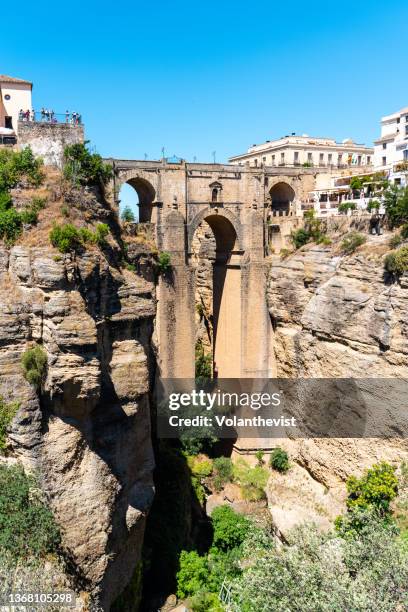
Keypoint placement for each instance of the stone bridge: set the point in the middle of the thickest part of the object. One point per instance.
(240, 204)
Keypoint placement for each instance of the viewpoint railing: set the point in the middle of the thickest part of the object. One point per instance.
(49, 117)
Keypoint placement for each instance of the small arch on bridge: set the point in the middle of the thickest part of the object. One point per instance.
(139, 198)
(282, 195)
(226, 228)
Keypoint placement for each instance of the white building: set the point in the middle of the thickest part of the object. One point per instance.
(306, 151)
(391, 149)
(15, 95)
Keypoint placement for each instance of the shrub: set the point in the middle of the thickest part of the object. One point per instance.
(101, 233)
(352, 241)
(16, 166)
(127, 215)
(65, 211)
(6, 201)
(319, 572)
(34, 363)
(279, 460)
(198, 489)
(203, 362)
(230, 528)
(251, 479)
(7, 413)
(82, 167)
(344, 207)
(205, 602)
(375, 489)
(404, 231)
(396, 205)
(259, 456)
(10, 225)
(200, 465)
(164, 262)
(192, 575)
(396, 262)
(65, 237)
(27, 527)
(223, 468)
(29, 216)
(395, 241)
(373, 205)
(300, 237)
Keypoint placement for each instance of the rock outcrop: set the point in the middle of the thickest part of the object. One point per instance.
(88, 434)
(337, 317)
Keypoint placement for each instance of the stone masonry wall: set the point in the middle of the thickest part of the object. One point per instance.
(48, 140)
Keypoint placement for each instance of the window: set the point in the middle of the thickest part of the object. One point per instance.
(296, 156)
(256, 162)
(264, 159)
(321, 158)
(309, 157)
(8, 122)
(329, 158)
(214, 195)
(359, 160)
(397, 181)
(384, 161)
(368, 159)
(339, 158)
(273, 160)
(7, 97)
(384, 145)
(406, 155)
(406, 130)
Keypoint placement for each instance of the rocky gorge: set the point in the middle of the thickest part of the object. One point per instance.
(88, 434)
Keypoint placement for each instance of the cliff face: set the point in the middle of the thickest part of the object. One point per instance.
(335, 316)
(89, 434)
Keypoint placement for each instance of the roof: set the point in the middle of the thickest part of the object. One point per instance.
(8, 79)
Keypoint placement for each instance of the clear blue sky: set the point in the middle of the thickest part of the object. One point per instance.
(198, 77)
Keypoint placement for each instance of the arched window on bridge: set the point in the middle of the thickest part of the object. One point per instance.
(216, 189)
(282, 195)
(136, 198)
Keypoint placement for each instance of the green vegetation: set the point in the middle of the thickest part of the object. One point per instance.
(203, 362)
(361, 562)
(34, 364)
(252, 480)
(200, 465)
(127, 215)
(260, 457)
(312, 232)
(351, 242)
(27, 527)
(279, 460)
(67, 237)
(396, 205)
(230, 528)
(7, 413)
(373, 205)
(319, 572)
(223, 472)
(395, 241)
(82, 167)
(396, 262)
(19, 167)
(163, 262)
(344, 207)
(374, 490)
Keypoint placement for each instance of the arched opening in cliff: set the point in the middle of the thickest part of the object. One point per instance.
(217, 298)
(137, 195)
(282, 195)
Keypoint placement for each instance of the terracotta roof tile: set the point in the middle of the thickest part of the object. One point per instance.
(8, 79)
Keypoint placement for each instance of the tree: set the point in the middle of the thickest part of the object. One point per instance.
(82, 167)
(192, 575)
(230, 528)
(375, 489)
(127, 215)
(279, 460)
(34, 363)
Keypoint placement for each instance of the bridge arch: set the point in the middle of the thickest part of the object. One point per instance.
(145, 190)
(226, 226)
(282, 195)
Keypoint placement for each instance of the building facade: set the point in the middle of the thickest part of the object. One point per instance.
(15, 96)
(307, 151)
(391, 149)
